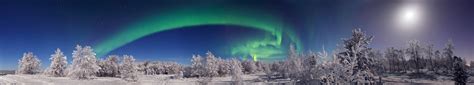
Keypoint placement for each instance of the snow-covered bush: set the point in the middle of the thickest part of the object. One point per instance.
(84, 63)
(28, 64)
(58, 64)
(128, 69)
(109, 67)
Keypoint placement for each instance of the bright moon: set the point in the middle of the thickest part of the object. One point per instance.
(409, 17)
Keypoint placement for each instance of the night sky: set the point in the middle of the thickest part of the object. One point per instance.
(174, 30)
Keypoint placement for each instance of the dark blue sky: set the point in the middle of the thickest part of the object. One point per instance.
(42, 26)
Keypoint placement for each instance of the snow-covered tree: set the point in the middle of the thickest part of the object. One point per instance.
(211, 66)
(438, 61)
(236, 72)
(28, 64)
(58, 64)
(156, 68)
(128, 69)
(224, 67)
(84, 63)
(249, 66)
(377, 61)
(208, 67)
(429, 51)
(277, 68)
(293, 65)
(460, 74)
(144, 67)
(394, 59)
(414, 50)
(354, 55)
(109, 67)
(179, 75)
(267, 69)
(470, 70)
(448, 54)
(449, 49)
(311, 66)
(334, 72)
(260, 66)
(187, 71)
(171, 68)
(197, 66)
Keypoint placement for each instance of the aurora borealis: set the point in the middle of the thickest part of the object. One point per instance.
(262, 30)
(194, 16)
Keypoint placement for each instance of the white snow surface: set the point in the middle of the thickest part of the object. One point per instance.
(143, 80)
(167, 80)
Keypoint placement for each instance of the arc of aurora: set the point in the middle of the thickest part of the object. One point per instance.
(179, 18)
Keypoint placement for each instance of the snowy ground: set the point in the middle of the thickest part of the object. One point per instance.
(143, 80)
(404, 80)
(166, 80)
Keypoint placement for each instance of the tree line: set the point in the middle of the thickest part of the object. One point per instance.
(354, 61)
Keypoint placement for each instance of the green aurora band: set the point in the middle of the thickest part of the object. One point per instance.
(186, 17)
